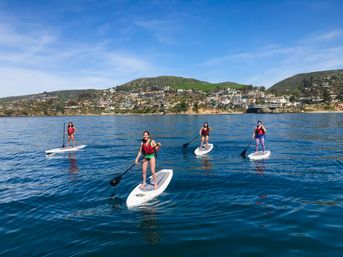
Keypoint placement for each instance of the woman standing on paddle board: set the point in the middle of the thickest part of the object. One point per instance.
(204, 132)
(148, 148)
(258, 135)
(71, 133)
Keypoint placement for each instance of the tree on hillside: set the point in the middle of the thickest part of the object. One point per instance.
(247, 88)
(86, 95)
(260, 101)
(213, 103)
(326, 97)
(295, 96)
(293, 99)
(340, 96)
(181, 107)
(72, 102)
(196, 107)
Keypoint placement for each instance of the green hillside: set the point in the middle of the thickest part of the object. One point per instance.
(62, 95)
(315, 84)
(177, 83)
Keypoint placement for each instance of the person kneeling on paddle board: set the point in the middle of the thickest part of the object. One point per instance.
(71, 133)
(148, 148)
(258, 135)
(204, 132)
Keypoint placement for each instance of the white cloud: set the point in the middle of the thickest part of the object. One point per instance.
(18, 81)
(324, 37)
(41, 61)
(127, 63)
(266, 52)
(23, 40)
(307, 60)
(272, 63)
(162, 30)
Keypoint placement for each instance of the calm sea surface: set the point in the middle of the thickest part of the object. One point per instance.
(218, 205)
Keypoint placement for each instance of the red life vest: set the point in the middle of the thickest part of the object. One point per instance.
(204, 132)
(71, 130)
(148, 148)
(259, 131)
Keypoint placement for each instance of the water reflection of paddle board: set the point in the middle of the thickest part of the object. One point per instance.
(139, 196)
(203, 150)
(259, 155)
(65, 149)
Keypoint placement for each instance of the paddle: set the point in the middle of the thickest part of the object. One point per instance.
(117, 179)
(185, 145)
(243, 153)
(64, 131)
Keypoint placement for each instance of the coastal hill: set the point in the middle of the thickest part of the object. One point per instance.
(137, 84)
(62, 95)
(321, 85)
(164, 94)
(177, 83)
(313, 91)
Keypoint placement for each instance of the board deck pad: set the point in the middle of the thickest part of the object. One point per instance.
(259, 155)
(203, 150)
(65, 149)
(161, 177)
(140, 195)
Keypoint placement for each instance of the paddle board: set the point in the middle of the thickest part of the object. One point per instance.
(139, 196)
(259, 155)
(65, 149)
(203, 150)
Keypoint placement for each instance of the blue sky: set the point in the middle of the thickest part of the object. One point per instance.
(69, 44)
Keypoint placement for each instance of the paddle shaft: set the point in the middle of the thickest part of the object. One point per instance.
(185, 145)
(249, 144)
(64, 132)
(245, 150)
(140, 158)
(117, 179)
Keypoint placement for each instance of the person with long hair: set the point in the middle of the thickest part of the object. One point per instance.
(148, 148)
(71, 133)
(204, 132)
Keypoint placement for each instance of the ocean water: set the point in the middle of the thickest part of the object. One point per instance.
(217, 205)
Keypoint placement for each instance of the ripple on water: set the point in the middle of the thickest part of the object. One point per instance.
(287, 205)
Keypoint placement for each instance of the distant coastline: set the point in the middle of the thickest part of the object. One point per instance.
(169, 114)
(309, 92)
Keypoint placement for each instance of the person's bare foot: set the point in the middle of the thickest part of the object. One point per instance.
(155, 187)
(142, 186)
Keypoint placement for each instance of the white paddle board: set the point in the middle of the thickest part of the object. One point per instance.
(203, 150)
(139, 196)
(65, 149)
(259, 155)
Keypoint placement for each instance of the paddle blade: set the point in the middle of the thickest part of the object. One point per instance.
(115, 181)
(185, 145)
(243, 154)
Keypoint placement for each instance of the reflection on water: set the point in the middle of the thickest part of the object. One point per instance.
(186, 154)
(149, 225)
(117, 202)
(72, 163)
(259, 167)
(205, 161)
(261, 208)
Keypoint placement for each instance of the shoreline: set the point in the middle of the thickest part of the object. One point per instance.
(161, 114)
